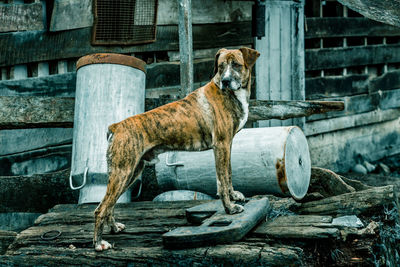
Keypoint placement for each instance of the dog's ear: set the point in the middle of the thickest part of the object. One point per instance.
(216, 60)
(250, 56)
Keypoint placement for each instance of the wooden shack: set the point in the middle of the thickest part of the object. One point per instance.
(313, 50)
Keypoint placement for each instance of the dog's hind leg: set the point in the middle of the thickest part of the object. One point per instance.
(119, 181)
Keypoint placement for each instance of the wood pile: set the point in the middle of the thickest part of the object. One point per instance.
(348, 223)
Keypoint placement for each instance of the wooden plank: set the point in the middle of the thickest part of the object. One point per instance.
(389, 80)
(71, 14)
(42, 46)
(340, 123)
(35, 193)
(280, 73)
(6, 238)
(37, 112)
(205, 12)
(333, 58)
(329, 27)
(21, 17)
(337, 150)
(185, 46)
(320, 87)
(386, 11)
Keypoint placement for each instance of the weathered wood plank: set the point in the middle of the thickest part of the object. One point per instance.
(386, 11)
(185, 46)
(36, 193)
(339, 27)
(387, 81)
(361, 202)
(6, 238)
(42, 46)
(329, 86)
(204, 12)
(329, 58)
(340, 123)
(337, 150)
(71, 14)
(21, 17)
(36, 112)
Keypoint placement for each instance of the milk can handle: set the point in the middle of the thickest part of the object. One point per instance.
(83, 183)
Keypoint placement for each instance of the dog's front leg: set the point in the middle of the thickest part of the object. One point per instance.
(222, 153)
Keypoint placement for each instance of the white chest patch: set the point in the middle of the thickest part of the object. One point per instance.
(241, 95)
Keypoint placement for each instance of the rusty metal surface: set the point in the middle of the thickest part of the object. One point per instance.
(101, 58)
(124, 22)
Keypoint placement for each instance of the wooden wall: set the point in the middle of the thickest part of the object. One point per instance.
(347, 57)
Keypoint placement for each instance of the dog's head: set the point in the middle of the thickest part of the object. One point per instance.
(232, 68)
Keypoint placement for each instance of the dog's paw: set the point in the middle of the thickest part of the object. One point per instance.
(103, 245)
(235, 208)
(117, 227)
(237, 196)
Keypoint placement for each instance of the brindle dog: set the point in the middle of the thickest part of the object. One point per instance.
(207, 118)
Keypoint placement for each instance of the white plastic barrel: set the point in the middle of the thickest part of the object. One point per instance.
(273, 160)
(109, 88)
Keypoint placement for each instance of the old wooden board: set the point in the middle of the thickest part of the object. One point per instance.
(34, 112)
(71, 14)
(24, 47)
(220, 227)
(140, 244)
(18, 17)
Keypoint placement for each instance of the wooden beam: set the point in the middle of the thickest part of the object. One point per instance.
(185, 46)
(333, 58)
(33, 112)
(386, 11)
(36, 112)
(24, 47)
(339, 27)
(21, 17)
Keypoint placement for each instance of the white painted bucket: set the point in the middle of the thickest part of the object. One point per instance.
(273, 160)
(109, 88)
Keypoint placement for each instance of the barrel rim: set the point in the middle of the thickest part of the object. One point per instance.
(111, 58)
(288, 180)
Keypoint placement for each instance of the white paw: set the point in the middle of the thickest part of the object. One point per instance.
(117, 227)
(237, 196)
(104, 245)
(235, 209)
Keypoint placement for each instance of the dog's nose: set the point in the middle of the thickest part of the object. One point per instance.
(225, 83)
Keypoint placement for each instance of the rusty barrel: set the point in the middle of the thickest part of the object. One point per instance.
(273, 160)
(109, 88)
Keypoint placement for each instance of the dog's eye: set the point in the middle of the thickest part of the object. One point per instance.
(236, 65)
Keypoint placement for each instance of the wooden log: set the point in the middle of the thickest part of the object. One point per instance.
(36, 193)
(24, 47)
(264, 160)
(328, 183)
(333, 58)
(355, 203)
(386, 11)
(17, 17)
(185, 46)
(6, 238)
(36, 112)
(328, 27)
(270, 109)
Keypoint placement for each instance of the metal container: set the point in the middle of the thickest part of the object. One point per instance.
(109, 88)
(272, 160)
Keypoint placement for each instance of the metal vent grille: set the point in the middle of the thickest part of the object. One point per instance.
(124, 21)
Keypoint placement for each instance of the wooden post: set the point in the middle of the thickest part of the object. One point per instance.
(185, 46)
(280, 68)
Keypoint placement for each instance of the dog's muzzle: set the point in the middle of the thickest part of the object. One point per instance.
(231, 84)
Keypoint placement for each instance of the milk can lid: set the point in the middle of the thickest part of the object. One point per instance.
(102, 58)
